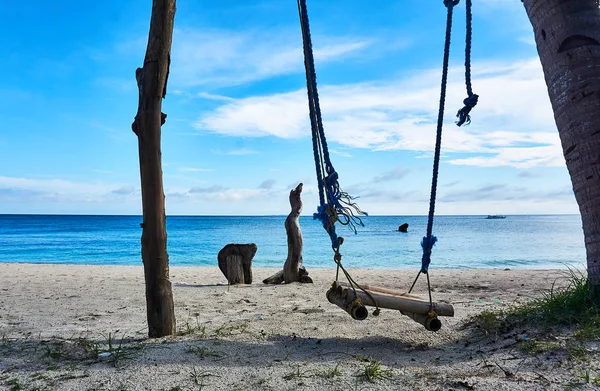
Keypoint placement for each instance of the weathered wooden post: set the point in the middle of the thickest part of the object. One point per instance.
(152, 85)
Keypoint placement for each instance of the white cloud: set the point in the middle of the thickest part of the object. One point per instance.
(215, 194)
(194, 169)
(30, 190)
(340, 153)
(208, 96)
(224, 58)
(243, 151)
(512, 124)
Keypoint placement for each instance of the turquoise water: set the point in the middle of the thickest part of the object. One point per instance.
(463, 241)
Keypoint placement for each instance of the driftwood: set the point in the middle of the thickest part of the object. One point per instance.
(372, 288)
(346, 300)
(235, 262)
(277, 278)
(235, 270)
(401, 303)
(293, 271)
(417, 309)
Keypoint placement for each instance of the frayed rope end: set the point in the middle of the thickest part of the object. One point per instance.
(463, 114)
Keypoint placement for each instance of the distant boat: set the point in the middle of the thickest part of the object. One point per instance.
(496, 217)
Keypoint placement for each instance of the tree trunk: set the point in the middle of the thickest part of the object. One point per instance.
(567, 34)
(152, 85)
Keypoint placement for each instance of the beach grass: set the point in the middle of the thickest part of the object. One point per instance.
(374, 371)
(569, 306)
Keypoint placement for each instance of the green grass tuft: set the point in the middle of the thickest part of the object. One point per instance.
(331, 372)
(570, 306)
(374, 371)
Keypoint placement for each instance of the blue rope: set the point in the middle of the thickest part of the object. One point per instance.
(471, 99)
(335, 204)
(307, 47)
(429, 240)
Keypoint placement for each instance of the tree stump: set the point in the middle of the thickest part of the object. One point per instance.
(235, 269)
(293, 271)
(235, 262)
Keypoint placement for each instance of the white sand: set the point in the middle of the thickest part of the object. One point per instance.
(253, 337)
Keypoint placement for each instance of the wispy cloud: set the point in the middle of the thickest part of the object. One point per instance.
(194, 169)
(529, 174)
(14, 189)
(216, 193)
(125, 190)
(100, 171)
(268, 184)
(243, 151)
(208, 96)
(219, 57)
(340, 153)
(392, 175)
(206, 190)
(506, 192)
(513, 124)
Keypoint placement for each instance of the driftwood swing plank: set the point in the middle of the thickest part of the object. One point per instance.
(417, 309)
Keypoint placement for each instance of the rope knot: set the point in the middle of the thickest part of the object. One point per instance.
(323, 215)
(463, 114)
(427, 244)
(451, 3)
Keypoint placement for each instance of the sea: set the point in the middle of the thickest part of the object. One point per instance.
(519, 241)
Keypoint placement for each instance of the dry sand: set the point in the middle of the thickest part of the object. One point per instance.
(55, 319)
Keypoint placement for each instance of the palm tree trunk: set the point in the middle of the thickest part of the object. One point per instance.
(567, 35)
(152, 84)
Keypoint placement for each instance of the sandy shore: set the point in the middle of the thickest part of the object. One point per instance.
(56, 319)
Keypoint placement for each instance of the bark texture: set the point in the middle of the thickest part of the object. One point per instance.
(291, 268)
(152, 85)
(567, 35)
(229, 255)
(235, 270)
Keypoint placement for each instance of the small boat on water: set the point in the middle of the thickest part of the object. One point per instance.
(496, 217)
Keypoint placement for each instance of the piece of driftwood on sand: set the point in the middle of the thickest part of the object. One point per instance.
(235, 262)
(293, 270)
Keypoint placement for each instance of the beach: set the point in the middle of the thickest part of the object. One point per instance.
(77, 327)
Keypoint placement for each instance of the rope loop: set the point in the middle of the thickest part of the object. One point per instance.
(451, 3)
(471, 100)
(463, 114)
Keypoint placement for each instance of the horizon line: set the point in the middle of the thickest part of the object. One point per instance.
(278, 215)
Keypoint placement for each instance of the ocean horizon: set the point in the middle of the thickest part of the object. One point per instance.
(464, 241)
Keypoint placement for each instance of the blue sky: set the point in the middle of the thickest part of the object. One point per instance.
(237, 136)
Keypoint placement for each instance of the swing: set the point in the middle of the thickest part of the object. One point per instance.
(336, 206)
